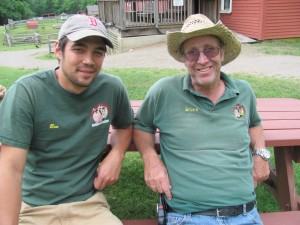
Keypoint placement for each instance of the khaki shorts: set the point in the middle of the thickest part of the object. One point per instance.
(93, 211)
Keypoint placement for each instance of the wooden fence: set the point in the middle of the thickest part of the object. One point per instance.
(32, 37)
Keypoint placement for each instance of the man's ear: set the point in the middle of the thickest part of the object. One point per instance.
(57, 51)
(222, 53)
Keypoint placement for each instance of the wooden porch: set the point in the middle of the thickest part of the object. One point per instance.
(144, 17)
(148, 20)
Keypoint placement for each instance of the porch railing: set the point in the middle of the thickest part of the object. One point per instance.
(126, 14)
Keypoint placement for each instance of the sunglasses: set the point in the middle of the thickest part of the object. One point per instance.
(193, 55)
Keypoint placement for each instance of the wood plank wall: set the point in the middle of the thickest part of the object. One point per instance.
(264, 19)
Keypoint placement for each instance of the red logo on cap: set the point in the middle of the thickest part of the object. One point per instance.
(93, 21)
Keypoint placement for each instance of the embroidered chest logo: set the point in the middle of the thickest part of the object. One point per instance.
(99, 114)
(53, 126)
(191, 109)
(239, 111)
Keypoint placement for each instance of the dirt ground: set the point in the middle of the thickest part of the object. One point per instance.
(156, 56)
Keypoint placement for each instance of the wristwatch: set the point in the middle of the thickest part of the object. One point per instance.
(264, 153)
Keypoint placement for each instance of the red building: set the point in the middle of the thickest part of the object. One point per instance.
(263, 19)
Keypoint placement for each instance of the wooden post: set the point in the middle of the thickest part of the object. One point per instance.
(156, 18)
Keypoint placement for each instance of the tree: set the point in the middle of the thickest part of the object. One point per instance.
(15, 10)
(25, 9)
(71, 6)
(39, 7)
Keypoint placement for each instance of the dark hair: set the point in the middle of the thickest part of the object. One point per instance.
(62, 44)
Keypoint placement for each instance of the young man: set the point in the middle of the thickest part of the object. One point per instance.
(209, 129)
(54, 130)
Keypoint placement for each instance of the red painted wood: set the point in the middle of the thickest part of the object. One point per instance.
(281, 124)
(275, 115)
(281, 218)
(282, 137)
(285, 182)
(280, 120)
(140, 222)
(264, 19)
(278, 105)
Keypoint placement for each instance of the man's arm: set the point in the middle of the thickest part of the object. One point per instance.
(110, 168)
(156, 175)
(2, 92)
(12, 163)
(261, 169)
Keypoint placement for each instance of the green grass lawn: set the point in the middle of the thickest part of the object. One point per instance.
(130, 198)
(289, 46)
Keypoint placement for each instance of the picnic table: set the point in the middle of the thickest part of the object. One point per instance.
(281, 125)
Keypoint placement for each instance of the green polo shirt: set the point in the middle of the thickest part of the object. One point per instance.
(204, 146)
(64, 133)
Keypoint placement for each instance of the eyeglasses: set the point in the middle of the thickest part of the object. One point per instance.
(209, 52)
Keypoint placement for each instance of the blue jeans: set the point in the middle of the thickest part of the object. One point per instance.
(250, 218)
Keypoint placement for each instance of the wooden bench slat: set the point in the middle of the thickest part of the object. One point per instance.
(136, 102)
(263, 104)
(280, 105)
(279, 115)
(282, 137)
(280, 124)
(140, 222)
(281, 218)
(277, 138)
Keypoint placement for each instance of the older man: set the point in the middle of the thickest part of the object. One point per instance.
(209, 130)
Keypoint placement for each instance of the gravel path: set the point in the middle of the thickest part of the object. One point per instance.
(156, 56)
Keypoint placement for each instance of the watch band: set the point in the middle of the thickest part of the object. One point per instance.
(264, 153)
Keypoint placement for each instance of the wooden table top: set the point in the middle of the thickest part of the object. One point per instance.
(280, 120)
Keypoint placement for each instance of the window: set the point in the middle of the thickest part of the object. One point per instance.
(226, 6)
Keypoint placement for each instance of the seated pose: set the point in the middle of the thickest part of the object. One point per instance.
(54, 130)
(212, 147)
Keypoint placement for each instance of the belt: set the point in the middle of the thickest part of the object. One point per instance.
(225, 211)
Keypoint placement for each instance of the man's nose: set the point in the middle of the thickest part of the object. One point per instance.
(202, 58)
(88, 59)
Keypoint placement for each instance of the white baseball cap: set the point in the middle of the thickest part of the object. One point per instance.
(80, 26)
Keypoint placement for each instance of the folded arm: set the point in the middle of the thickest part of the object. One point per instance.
(110, 168)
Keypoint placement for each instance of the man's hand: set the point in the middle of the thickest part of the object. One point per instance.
(156, 176)
(2, 92)
(261, 169)
(109, 170)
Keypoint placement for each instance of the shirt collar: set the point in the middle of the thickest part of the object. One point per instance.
(230, 92)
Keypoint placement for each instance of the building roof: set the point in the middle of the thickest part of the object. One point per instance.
(92, 10)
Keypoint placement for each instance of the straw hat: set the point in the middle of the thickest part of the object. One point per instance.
(199, 25)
